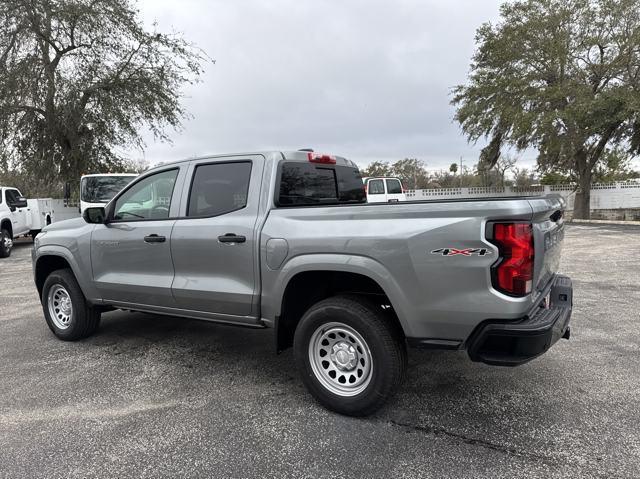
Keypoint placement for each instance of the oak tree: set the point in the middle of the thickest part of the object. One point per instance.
(80, 78)
(562, 76)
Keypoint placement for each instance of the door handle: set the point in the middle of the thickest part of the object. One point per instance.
(154, 238)
(232, 238)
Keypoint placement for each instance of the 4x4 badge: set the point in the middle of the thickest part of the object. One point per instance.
(462, 252)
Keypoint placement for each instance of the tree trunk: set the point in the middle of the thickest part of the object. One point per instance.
(582, 203)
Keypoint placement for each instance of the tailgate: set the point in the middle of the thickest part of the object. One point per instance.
(548, 234)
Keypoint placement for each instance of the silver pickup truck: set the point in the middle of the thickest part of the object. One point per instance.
(286, 240)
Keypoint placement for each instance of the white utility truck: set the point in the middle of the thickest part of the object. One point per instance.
(98, 189)
(21, 217)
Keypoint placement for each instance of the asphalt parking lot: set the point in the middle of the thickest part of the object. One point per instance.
(153, 396)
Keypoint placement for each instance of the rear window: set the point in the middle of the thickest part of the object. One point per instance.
(394, 187)
(376, 187)
(310, 184)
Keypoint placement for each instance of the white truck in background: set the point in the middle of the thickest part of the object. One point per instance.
(384, 189)
(98, 189)
(21, 217)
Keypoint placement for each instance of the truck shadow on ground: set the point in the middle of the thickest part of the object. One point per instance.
(437, 385)
(22, 243)
(206, 365)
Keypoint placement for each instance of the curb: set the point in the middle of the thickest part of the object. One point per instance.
(606, 222)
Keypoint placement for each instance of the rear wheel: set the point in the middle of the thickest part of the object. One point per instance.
(66, 310)
(350, 354)
(6, 243)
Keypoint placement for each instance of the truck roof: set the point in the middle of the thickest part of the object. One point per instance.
(299, 155)
(109, 174)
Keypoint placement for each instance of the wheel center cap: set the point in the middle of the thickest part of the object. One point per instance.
(65, 306)
(344, 356)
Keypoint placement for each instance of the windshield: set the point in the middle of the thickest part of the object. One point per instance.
(101, 189)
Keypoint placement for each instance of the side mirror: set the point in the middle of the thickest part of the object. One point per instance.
(94, 215)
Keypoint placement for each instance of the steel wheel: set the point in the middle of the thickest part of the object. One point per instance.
(7, 243)
(60, 306)
(340, 359)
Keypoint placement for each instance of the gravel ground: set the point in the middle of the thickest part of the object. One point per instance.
(153, 396)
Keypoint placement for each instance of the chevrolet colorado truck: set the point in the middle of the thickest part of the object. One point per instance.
(286, 240)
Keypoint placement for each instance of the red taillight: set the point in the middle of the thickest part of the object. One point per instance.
(320, 158)
(514, 273)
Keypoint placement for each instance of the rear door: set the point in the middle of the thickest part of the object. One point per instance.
(375, 191)
(394, 190)
(214, 243)
(131, 255)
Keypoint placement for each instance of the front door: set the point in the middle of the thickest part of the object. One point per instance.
(19, 221)
(214, 246)
(131, 254)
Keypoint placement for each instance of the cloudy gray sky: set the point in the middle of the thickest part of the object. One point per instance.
(368, 80)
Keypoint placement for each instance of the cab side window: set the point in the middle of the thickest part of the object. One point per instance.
(149, 198)
(219, 188)
(12, 196)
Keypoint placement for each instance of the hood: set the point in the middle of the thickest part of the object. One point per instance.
(66, 225)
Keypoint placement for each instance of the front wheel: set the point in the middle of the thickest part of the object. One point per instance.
(350, 354)
(6, 243)
(66, 310)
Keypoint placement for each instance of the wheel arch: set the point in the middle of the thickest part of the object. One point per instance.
(5, 224)
(305, 281)
(47, 264)
(51, 258)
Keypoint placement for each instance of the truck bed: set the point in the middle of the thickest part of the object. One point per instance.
(435, 296)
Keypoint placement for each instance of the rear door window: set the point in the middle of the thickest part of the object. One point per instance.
(394, 187)
(219, 188)
(376, 187)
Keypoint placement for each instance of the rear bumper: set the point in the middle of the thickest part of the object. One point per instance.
(513, 343)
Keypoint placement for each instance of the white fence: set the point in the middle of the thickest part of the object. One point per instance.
(603, 195)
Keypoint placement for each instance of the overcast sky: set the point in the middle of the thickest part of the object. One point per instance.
(368, 80)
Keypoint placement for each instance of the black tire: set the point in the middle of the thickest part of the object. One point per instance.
(382, 336)
(5, 251)
(84, 320)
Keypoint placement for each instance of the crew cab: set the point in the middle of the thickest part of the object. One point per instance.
(286, 240)
(20, 217)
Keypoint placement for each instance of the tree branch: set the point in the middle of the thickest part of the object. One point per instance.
(595, 151)
(19, 108)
